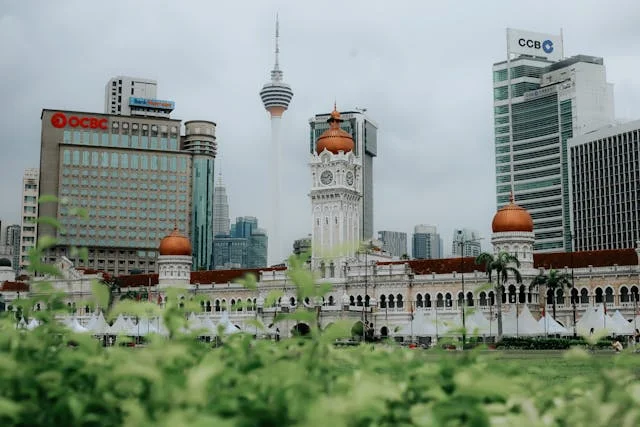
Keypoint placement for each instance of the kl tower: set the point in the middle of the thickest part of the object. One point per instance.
(276, 96)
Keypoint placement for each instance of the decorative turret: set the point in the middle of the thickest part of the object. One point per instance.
(174, 261)
(513, 233)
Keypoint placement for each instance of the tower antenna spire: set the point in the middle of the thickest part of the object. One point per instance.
(277, 66)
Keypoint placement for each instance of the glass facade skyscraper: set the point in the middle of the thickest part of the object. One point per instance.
(200, 140)
(245, 247)
(538, 105)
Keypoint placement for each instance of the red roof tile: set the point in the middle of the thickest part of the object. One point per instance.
(14, 287)
(440, 266)
(586, 258)
(138, 280)
(201, 277)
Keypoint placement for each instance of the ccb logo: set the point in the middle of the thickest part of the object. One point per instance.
(59, 120)
(547, 46)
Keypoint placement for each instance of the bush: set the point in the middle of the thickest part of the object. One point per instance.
(531, 343)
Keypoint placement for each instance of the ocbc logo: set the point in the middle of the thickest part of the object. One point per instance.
(529, 43)
(60, 120)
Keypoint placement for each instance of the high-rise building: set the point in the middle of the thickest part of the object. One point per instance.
(394, 242)
(12, 240)
(276, 97)
(245, 247)
(605, 188)
(137, 180)
(540, 101)
(220, 209)
(427, 243)
(29, 226)
(128, 96)
(466, 242)
(365, 136)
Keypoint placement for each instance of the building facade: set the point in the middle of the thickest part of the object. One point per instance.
(302, 246)
(605, 188)
(12, 240)
(540, 101)
(133, 174)
(365, 136)
(120, 89)
(466, 242)
(244, 247)
(427, 243)
(29, 226)
(394, 242)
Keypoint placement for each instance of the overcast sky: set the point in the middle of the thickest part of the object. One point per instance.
(421, 68)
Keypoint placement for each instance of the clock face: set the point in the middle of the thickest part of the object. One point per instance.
(349, 178)
(326, 178)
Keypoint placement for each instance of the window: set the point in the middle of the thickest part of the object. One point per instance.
(76, 158)
(105, 159)
(114, 160)
(66, 160)
(124, 160)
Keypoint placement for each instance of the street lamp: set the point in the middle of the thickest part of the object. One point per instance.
(572, 237)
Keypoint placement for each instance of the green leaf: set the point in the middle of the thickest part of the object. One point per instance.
(47, 198)
(272, 297)
(49, 221)
(298, 315)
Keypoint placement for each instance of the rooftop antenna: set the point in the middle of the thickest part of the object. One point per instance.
(277, 66)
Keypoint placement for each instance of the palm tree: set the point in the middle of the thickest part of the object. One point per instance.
(554, 280)
(502, 265)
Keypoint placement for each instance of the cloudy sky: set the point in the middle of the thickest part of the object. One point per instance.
(421, 68)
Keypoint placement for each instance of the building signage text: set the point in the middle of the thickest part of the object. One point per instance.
(60, 120)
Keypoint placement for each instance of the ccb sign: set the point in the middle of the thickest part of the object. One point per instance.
(60, 120)
(546, 45)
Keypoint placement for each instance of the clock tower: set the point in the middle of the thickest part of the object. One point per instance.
(335, 200)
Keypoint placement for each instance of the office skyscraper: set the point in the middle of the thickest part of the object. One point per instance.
(136, 178)
(220, 209)
(466, 242)
(605, 188)
(29, 227)
(394, 242)
(12, 240)
(540, 101)
(245, 247)
(365, 136)
(427, 243)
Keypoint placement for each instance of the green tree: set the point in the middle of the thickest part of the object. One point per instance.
(503, 264)
(554, 280)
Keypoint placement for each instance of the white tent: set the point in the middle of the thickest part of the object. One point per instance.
(485, 327)
(74, 325)
(520, 325)
(228, 327)
(208, 325)
(550, 326)
(423, 325)
(454, 326)
(98, 326)
(620, 325)
(121, 326)
(593, 321)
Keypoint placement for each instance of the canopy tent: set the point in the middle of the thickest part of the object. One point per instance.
(122, 326)
(98, 326)
(454, 326)
(520, 325)
(550, 326)
(74, 325)
(423, 325)
(593, 321)
(227, 327)
(147, 326)
(620, 325)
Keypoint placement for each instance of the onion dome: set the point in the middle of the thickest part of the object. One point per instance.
(334, 139)
(175, 244)
(4, 262)
(512, 217)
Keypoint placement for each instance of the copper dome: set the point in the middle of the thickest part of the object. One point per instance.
(334, 139)
(512, 217)
(175, 244)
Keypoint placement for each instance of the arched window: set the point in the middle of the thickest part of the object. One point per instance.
(584, 296)
(483, 299)
(392, 303)
(352, 301)
(522, 295)
(239, 305)
(331, 301)
(306, 300)
(383, 301)
(223, 304)
(624, 294)
(366, 300)
(399, 302)
(359, 301)
(460, 299)
(439, 300)
(634, 294)
(560, 296)
(470, 299)
(233, 305)
(504, 294)
(323, 270)
(419, 302)
(208, 307)
(292, 302)
(427, 300)
(608, 295)
(332, 270)
(448, 300)
(575, 299)
(512, 294)
(549, 296)
(492, 298)
(599, 298)
(217, 305)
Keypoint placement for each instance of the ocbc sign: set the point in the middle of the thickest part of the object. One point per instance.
(60, 120)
